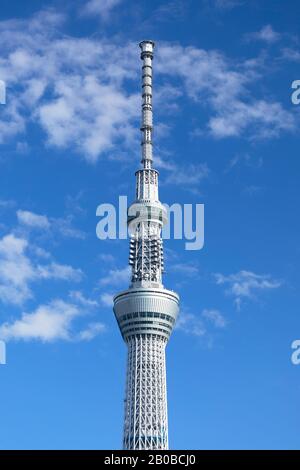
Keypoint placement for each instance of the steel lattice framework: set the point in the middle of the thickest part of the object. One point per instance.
(145, 410)
(146, 312)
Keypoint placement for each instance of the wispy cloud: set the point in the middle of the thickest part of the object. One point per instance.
(107, 299)
(191, 324)
(226, 4)
(290, 54)
(101, 8)
(215, 317)
(266, 120)
(106, 257)
(71, 87)
(92, 330)
(253, 190)
(168, 11)
(189, 176)
(6, 203)
(18, 271)
(62, 226)
(33, 220)
(266, 34)
(40, 252)
(116, 277)
(246, 284)
(58, 271)
(75, 89)
(78, 296)
(252, 161)
(234, 111)
(200, 324)
(185, 269)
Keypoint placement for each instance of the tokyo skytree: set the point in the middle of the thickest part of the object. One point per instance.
(146, 312)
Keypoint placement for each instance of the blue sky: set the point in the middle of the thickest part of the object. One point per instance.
(226, 135)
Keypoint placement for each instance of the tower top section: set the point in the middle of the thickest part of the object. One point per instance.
(147, 48)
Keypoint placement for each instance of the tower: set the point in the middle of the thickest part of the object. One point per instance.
(146, 312)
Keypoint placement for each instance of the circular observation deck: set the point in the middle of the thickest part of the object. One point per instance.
(141, 311)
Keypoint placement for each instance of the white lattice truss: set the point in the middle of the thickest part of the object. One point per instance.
(145, 424)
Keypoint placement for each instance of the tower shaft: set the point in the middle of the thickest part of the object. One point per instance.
(146, 312)
(146, 424)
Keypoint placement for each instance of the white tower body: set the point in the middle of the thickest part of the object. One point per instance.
(146, 312)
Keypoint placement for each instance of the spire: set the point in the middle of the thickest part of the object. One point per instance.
(146, 215)
(147, 48)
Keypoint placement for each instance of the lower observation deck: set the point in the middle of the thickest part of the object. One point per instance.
(142, 311)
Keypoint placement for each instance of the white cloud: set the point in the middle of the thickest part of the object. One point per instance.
(18, 271)
(290, 54)
(185, 269)
(81, 299)
(40, 252)
(22, 265)
(210, 79)
(50, 322)
(99, 7)
(22, 148)
(215, 317)
(33, 220)
(62, 226)
(252, 190)
(188, 176)
(190, 324)
(97, 114)
(107, 299)
(12, 122)
(198, 324)
(58, 271)
(116, 277)
(266, 34)
(227, 4)
(6, 203)
(91, 331)
(265, 120)
(246, 284)
(74, 88)
(173, 10)
(106, 257)
(253, 161)
(47, 323)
